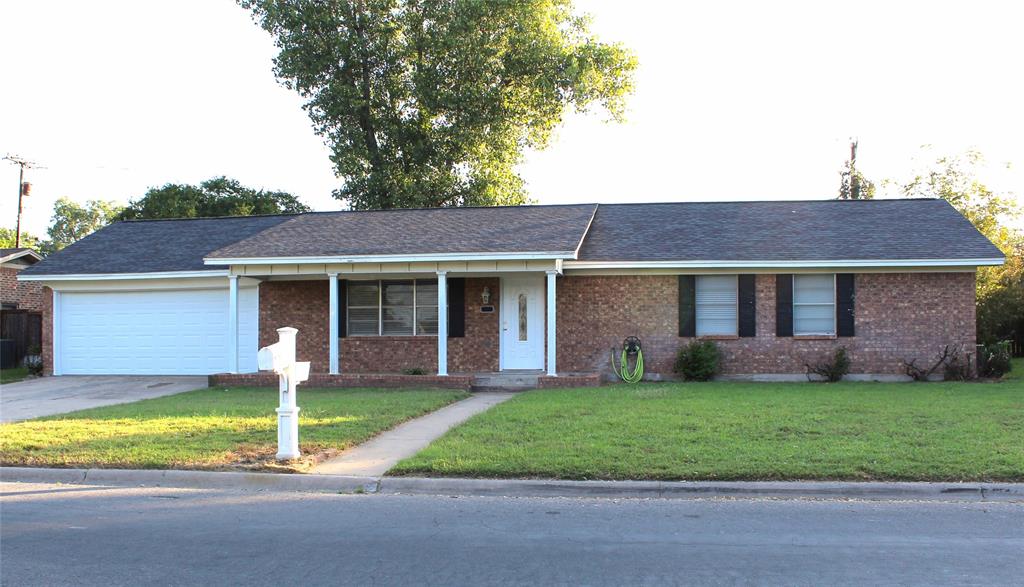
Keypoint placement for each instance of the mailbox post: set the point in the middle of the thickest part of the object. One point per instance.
(280, 358)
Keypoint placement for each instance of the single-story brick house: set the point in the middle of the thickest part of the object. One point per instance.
(547, 289)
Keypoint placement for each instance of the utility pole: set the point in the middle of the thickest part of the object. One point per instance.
(22, 190)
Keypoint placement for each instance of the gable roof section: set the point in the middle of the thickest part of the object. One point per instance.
(766, 231)
(30, 256)
(699, 234)
(554, 231)
(150, 246)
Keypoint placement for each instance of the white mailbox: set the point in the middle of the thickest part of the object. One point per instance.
(280, 358)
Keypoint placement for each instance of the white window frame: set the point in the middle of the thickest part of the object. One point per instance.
(835, 328)
(696, 293)
(380, 308)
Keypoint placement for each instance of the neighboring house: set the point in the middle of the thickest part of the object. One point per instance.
(21, 307)
(544, 288)
(15, 295)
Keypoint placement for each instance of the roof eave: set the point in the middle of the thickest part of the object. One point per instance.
(785, 264)
(421, 258)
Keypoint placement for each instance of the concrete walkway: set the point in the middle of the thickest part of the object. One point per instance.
(45, 396)
(374, 458)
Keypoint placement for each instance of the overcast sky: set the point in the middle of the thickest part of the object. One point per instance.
(735, 100)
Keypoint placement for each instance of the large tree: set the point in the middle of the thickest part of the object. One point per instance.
(432, 102)
(219, 196)
(72, 221)
(1000, 290)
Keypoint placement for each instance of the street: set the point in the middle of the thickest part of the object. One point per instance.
(79, 535)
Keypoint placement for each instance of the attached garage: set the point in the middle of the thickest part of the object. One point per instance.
(161, 332)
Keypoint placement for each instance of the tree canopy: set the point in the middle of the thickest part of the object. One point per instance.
(7, 239)
(72, 221)
(1000, 290)
(433, 102)
(219, 196)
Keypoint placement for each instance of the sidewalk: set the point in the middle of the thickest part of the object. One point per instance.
(378, 455)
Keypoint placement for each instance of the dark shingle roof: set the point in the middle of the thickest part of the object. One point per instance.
(784, 231)
(700, 231)
(512, 229)
(151, 245)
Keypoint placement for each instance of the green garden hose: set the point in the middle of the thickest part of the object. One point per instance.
(623, 371)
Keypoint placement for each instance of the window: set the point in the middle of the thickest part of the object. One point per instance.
(392, 308)
(522, 318)
(717, 305)
(814, 304)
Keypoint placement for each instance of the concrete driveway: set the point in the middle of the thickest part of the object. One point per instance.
(45, 396)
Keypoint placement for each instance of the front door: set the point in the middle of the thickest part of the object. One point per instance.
(522, 322)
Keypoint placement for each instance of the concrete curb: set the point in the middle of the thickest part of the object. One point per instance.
(706, 489)
(192, 479)
(976, 492)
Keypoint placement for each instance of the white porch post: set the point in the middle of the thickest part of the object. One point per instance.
(442, 323)
(552, 323)
(333, 317)
(233, 324)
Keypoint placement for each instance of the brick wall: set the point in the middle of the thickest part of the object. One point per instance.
(898, 315)
(305, 304)
(28, 295)
(47, 350)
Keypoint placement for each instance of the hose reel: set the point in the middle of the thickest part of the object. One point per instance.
(631, 347)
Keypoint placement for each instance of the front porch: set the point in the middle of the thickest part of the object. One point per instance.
(376, 324)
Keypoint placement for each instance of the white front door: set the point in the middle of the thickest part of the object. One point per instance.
(522, 322)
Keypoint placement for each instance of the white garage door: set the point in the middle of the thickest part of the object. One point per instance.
(180, 332)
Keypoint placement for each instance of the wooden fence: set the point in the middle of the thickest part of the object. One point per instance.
(25, 329)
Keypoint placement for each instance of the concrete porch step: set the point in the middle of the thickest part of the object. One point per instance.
(506, 381)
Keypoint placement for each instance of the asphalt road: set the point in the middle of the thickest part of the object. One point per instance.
(74, 535)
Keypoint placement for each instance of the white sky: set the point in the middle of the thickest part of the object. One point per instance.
(735, 100)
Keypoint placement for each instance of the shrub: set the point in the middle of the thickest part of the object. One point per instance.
(698, 361)
(34, 364)
(833, 369)
(413, 371)
(997, 358)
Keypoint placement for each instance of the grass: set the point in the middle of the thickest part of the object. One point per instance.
(211, 428)
(743, 431)
(13, 374)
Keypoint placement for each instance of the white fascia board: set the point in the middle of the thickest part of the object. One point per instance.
(431, 257)
(118, 276)
(836, 263)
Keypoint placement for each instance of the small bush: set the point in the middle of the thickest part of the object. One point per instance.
(957, 367)
(833, 369)
(414, 371)
(34, 364)
(997, 359)
(698, 361)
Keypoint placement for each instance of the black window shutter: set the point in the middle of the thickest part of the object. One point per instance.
(687, 305)
(845, 296)
(784, 304)
(457, 307)
(747, 305)
(342, 309)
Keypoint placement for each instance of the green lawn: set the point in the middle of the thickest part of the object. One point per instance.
(753, 431)
(13, 374)
(211, 428)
